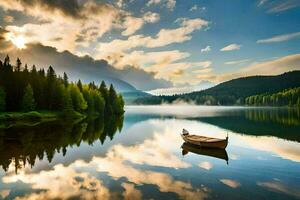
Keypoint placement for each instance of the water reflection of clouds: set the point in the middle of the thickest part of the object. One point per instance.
(231, 183)
(61, 182)
(283, 148)
(157, 150)
(206, 165)
(280, 187)
(4, 193)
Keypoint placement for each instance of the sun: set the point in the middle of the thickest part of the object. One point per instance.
(19, 42)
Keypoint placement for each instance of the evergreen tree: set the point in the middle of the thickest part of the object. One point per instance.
(79, 85)
(66, 81)
(28, 102)
(2, 100)
(18, 65)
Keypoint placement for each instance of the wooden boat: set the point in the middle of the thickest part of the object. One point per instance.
(212, 152)
(204, 141)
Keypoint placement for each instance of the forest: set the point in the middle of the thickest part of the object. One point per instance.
(290, 97)
(24, 90)
(280, 90)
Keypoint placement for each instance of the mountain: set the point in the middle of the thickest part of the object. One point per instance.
(234, 91)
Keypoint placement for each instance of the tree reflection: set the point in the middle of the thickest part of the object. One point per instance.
(280, 122)
(24, 144)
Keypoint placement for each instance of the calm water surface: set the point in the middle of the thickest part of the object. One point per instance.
(143, 157)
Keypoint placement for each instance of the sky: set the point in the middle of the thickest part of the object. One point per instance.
(188, 44)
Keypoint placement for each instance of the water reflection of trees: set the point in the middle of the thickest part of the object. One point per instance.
(289, 116)
(22, 145)
(282, 123)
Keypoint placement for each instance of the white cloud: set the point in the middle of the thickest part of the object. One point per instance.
(206, 49)
(151, 17)
(273, 67)
(283, 5)
(194, 7)
(74, 27)
(163, 37)
(261, 2)
(131, 193)
(132, 24)
(170, 4)
(231, 47)
(236, 62)
(279, 5)
(280, 38)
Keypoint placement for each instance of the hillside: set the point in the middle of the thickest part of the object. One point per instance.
(234, 91)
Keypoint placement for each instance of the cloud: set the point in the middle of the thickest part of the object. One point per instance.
(194, 7)
(206, 49)
(151, 17)
(261, 2)
(78, 23)
(231, 183)
(131, 193)
(170, 4)
(8, 18)
(164, 64)
(206, 165)
(163, 37)
(277, 6)
(236, 62)
(182, 89)
(231, 47)
(280, 38)
(132, 24)
(273, 67)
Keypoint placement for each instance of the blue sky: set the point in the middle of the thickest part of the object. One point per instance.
(180, 41)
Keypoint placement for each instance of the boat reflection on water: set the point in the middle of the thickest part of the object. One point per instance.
(212, 152)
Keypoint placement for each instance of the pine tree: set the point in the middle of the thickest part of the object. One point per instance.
(18, 65)
(66, 80)
(79, 85)
(2, 100)
(28, 102)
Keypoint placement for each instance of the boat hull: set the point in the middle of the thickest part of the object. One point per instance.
(220, 144)
(212, 152)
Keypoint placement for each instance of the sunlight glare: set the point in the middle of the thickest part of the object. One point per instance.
(19, 42)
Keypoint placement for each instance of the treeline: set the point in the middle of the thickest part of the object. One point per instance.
(233, 92)
(288, 97)
(24, 89)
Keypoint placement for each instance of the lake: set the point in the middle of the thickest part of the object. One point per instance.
(143, 157)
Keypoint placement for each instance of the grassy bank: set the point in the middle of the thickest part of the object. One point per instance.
(37, 116)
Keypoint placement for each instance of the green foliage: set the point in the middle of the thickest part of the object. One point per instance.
(28, 102)
(78, 102)
(26, 90)
(288, 97)
(2, 100)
